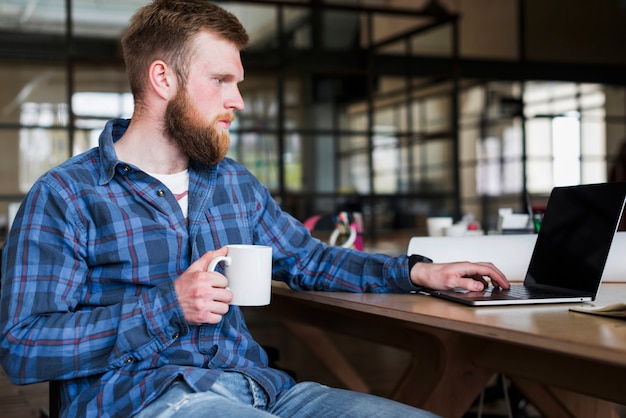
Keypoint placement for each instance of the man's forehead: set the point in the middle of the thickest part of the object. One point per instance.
(217, 55)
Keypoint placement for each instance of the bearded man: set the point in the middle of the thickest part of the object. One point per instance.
(105, 283)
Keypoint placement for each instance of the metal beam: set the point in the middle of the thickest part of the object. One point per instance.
(45, 47)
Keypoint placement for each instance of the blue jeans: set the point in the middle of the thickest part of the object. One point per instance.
(235, 395)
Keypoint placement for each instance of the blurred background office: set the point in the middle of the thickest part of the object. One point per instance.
(397, 109)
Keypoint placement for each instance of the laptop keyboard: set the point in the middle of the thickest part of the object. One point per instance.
(521, 292)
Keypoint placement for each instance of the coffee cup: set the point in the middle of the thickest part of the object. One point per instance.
(248, 269)
(436, 225)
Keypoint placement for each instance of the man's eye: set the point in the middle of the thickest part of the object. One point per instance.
(219, 80)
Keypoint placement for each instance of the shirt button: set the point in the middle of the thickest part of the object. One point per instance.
(176, 336)
(161, 192)
(128, 360)
(126, 169)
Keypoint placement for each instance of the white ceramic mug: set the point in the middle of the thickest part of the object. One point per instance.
(437, 224)
(248, 269)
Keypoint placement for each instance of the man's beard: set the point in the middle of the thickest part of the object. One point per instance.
(199, 140)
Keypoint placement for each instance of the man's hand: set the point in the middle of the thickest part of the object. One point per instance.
(202, 294)
(470, 276)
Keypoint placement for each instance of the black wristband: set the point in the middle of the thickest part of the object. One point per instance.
(415, 258)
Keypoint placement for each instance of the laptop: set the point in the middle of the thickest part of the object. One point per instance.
(570, 252)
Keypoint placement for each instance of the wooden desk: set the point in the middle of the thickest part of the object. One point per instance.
(455, 349)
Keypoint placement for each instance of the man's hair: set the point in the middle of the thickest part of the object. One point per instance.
(165, 29)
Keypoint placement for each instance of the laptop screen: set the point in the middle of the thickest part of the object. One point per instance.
(575, 237)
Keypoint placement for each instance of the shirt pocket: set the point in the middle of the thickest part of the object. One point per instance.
(230, 223)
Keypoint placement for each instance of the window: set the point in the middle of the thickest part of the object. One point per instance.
(566, 135)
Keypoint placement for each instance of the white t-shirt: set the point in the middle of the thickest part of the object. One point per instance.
(178, 183)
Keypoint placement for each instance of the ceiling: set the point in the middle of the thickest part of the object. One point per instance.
(103, 18)
(108, 18)
(99, 18)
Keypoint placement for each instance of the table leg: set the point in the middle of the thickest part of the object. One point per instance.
(316, 340)
(554, 402)
(441, 377)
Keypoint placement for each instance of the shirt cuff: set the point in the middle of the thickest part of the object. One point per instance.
(416, 258)
(413, 260)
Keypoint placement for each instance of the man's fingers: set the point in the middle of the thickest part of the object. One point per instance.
(491, 271)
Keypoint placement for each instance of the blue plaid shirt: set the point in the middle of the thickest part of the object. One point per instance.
(88, 271)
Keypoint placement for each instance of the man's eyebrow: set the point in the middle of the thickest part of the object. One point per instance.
(226, 76)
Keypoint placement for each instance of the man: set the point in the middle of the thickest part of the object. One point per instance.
(105, 283)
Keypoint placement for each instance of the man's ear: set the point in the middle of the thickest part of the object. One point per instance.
(162, 79)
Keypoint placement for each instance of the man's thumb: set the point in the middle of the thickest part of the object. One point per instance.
(203, 262)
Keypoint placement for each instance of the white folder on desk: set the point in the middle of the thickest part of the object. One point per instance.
(510, 253)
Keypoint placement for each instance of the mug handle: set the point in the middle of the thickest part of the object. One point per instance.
(227, 260)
